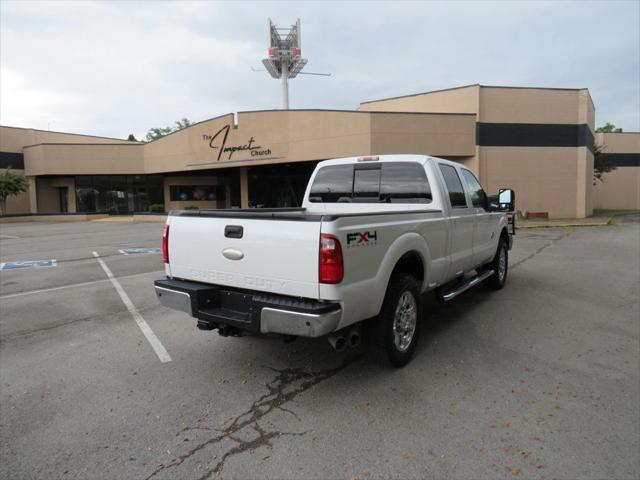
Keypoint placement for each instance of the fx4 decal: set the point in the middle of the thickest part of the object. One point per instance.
(362, 239)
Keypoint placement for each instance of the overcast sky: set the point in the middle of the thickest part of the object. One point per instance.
(114, 68)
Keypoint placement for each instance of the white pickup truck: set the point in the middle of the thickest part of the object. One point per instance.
(373, 234)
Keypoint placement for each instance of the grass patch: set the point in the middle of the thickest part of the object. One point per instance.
(597, 212)
(614, 214)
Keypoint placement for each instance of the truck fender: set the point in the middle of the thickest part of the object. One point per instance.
(407, 243)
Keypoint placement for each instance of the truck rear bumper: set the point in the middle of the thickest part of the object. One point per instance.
(233, 310)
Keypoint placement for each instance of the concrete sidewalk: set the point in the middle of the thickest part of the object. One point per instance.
(599, 221)
(600, 218)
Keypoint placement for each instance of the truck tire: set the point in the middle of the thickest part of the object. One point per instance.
(393, 334)
(500, 265)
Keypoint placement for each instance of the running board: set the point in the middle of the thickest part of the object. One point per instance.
(466, 285)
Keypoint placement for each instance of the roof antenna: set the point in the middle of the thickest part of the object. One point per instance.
(284, 59)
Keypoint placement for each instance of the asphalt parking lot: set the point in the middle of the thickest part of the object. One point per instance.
(539, 380)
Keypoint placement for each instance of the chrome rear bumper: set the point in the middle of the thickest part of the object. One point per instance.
(174, 299)
(256, 312)
(299, 324)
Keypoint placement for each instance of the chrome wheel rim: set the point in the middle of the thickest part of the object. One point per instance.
(502, 264)
(404, 321)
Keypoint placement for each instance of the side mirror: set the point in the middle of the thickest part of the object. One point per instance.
(506, 200)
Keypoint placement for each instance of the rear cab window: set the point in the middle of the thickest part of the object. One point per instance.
(386, 182)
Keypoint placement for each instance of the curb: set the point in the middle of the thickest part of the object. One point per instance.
(563, 225)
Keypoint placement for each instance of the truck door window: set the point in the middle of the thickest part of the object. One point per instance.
(478, 197)
(454, 186)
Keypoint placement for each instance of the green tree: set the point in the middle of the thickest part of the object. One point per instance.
(159, 132)
(608, 128)
(11, 184)
(601, 164)
(184, 123)
(131, 138)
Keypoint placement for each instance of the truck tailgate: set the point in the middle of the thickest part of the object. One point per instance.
(277, 256)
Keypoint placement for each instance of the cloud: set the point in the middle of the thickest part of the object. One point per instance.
(112, 68)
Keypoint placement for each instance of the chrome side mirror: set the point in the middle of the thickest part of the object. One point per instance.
(506, 200)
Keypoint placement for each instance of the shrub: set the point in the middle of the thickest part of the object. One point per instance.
(191, 207)
(11, 184)
(156, 207)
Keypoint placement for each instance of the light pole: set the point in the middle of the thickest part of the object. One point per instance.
(284, 59)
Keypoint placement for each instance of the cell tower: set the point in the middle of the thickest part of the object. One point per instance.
(285, 56)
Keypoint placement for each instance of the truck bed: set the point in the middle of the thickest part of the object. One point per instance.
(293, 214)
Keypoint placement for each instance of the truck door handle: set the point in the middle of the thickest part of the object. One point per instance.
(233, 231)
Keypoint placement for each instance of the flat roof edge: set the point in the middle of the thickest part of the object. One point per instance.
(617, 133)
(131, 144)
(192, 125)
(421, 93)
(353, 111)
(474, 85)
(64, 133)
(534, 88)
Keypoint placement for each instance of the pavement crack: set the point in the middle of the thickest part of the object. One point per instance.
(262, 440)
(285, 386)
(567, 234)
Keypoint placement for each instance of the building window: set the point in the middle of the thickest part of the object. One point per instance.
(197, 193)
(118, 193)
(279, 186)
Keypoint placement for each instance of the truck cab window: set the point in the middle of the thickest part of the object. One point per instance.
(404, 183)
(478, 197)
(454, 186)
(332, 184)
(389, 182)
(366, 185)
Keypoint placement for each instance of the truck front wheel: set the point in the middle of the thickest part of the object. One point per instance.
(393, 335)
(500, 267)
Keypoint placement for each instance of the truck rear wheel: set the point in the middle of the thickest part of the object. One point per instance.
(393, 335)
(500, 267)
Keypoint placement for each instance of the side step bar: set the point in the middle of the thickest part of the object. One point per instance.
(465, 285)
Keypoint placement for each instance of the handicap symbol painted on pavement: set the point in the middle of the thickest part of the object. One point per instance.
(139, 251)
(28, 264)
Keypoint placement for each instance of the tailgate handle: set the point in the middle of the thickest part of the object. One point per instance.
(233, 231)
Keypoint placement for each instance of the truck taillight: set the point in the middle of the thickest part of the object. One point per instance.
(331, 267)
(165, 244)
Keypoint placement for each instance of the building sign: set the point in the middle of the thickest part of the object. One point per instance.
(218, 141)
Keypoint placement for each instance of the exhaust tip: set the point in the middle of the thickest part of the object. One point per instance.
(338, 342)
(354, 340)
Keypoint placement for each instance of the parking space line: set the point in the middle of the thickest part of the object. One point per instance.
(139, 250)
(73, 285)
(157, 346)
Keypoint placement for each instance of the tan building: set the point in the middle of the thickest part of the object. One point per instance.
(537, 141)
(620, 189)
